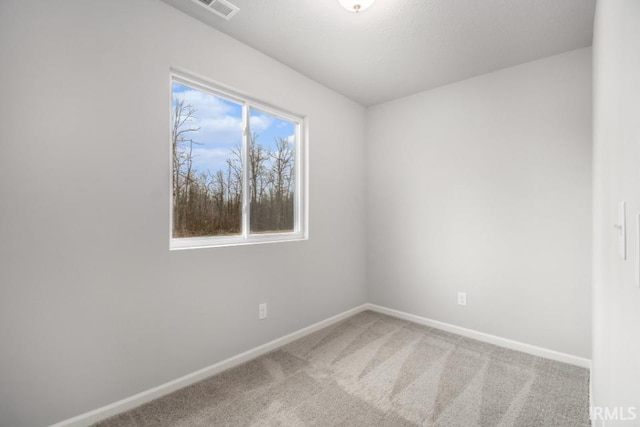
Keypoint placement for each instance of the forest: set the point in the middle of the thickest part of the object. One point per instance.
(209, 203)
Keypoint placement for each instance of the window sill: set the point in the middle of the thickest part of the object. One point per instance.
(216, 242)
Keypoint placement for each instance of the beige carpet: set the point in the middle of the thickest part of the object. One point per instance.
(375, 370)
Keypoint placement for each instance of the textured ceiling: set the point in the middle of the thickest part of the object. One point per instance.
(400, 47)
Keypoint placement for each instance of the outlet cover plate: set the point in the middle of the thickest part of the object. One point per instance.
(462, 298)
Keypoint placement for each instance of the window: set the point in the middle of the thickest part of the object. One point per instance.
(237, 168)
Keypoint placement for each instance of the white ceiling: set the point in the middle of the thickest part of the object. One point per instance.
(400, 47)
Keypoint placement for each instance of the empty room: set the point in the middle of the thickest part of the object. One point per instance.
(320, 213)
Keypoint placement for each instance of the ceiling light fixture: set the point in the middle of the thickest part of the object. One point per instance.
(356, 5)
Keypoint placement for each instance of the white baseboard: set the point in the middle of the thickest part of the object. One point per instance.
(481, 336)
(131, 402)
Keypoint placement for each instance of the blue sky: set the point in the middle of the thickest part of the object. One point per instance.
(220, 123)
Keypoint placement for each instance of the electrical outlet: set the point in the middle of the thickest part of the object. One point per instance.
(262, 311)
(462, 298)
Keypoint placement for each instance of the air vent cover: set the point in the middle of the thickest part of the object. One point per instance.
(222, 8)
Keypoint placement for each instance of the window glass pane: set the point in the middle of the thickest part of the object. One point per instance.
(207, 164)
(271, 173)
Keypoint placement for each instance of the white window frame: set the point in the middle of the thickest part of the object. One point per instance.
(301, 196)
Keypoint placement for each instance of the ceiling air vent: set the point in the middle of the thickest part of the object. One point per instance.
(222, 8)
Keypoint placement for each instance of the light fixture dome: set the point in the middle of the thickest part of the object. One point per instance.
(356, 5)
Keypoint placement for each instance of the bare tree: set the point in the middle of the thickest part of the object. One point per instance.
(257, 174)
(208, 202)
(282, 176)
(182, 147)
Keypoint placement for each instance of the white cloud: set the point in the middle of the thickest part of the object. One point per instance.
(225, 130)
(206, 105)
(220, 128)
(218, 122)
(260, 123)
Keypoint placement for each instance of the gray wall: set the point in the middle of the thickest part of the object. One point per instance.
(484, 186)
(93, 305)
(616, 295)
